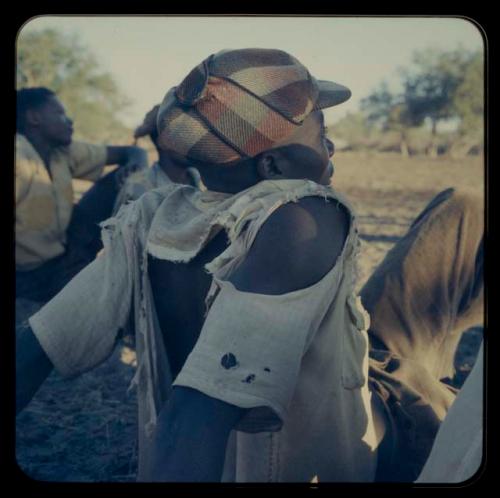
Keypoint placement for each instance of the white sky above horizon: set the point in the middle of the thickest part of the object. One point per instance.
(147, 55)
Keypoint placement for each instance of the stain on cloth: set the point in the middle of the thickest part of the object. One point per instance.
(229, 361)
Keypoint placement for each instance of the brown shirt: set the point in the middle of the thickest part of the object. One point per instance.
(44, 202)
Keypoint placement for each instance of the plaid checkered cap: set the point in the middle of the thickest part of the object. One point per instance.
(238, 103)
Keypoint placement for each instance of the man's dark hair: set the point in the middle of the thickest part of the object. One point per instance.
(30, 98)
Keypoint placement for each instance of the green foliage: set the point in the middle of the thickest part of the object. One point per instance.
(469, 97)
(438, 86)
(353, 130)
(91, 96)
(385, 109)
(390, 114)
(431, 85)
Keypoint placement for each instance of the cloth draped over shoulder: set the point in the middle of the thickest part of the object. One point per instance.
(302, 356)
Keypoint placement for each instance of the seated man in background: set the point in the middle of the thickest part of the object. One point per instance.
(55, 239)
(162, 172)
(253, 347)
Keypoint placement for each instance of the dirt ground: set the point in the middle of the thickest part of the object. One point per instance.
(84, 429)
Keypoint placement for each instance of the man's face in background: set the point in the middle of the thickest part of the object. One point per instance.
(55, 126)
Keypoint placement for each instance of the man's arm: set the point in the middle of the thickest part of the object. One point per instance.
(79, 326)
(32, 365)
(191, 437)
(126, 155)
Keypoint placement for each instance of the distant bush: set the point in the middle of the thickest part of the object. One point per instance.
(439, 87)
(90, 95)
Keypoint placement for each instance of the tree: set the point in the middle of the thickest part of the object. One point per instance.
(431, 86)
(91, 96)
(353, 132)
(438, 86)
(390, 113)
(469, 104)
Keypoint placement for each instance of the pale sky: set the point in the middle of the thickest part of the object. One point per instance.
(148, 55)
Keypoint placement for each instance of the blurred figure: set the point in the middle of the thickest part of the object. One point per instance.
(55, 239)
(162, 172)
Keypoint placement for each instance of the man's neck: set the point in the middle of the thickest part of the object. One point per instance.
(227, 182)
(43, 148)
(224, 180)
(176, 173)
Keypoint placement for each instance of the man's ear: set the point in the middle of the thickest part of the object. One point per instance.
(270, 166)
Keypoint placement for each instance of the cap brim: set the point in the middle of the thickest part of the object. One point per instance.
(331, 94)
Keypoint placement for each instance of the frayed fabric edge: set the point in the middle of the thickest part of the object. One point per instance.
(171, 254)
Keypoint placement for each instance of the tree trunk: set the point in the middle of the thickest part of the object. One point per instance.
(403, 147)
(433, 150)
(462, 147)
(403, 144)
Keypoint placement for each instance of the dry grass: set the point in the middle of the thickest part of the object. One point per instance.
(85, 429)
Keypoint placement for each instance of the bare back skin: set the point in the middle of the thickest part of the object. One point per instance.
(179, 291)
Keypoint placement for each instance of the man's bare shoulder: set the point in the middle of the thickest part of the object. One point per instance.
(296, 246)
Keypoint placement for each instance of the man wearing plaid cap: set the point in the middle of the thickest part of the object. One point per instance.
(252, 345)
